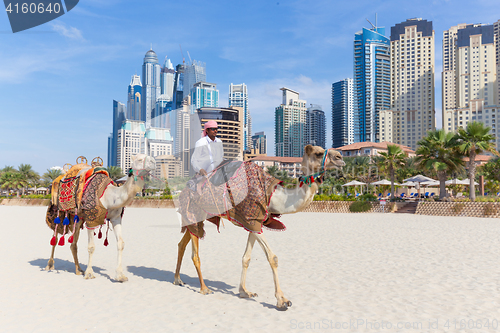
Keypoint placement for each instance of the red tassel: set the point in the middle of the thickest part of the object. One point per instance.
(70, 239)
(106, 242)
(100, 233)
(61, 241)
(53, 241)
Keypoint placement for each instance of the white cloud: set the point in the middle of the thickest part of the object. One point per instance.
(69, 32)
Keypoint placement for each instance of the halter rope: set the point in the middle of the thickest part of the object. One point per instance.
(317, 176)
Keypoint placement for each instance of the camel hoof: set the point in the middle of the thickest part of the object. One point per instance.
(121, 278)
(206, 291)
(284, 306)
(246, 294)
(178, 282)
(49, 268)
(89, 275)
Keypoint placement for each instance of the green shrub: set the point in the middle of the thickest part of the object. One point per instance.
(321, 197)
(367, 197)
(360, 206)
(36, 196)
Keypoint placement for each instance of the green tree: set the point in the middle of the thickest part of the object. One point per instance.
(49, 176)
(115, 172)
(13, 181)
(8, 168)
(31, 176)
(438, 151)
(392, 160)
(474, 140)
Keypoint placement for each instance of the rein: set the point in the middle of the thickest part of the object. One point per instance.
(317, 176)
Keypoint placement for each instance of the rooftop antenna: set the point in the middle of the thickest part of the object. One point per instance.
(373, 27)
(190, 61)
(151, 46)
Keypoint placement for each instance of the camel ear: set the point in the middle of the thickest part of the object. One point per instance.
(308, 149)
(134, 158)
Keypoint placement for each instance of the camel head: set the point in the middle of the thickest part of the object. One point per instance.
(313, 158)
(143, 164)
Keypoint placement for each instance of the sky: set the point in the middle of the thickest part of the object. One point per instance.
(58, 80)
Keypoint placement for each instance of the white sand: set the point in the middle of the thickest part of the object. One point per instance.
(356, 271)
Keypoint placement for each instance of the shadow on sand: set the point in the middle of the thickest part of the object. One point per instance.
(68, 266)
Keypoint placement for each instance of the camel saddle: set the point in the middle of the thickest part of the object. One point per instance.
(243, 199)
(78, 191)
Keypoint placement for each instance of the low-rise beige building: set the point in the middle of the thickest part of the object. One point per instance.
(371, 149)
(289, 164)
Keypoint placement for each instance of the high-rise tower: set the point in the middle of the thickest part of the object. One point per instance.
(167, 80)
(371, 82)
(194, 72)
(315, 126)
(238, 96)
(134, 98)
(289, 125)
(151, 71)
(412, 81)
(342, 113)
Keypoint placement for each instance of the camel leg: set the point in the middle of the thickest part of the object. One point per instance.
(89, 273)
(50, 264)
(245, 263)
(74, 248)
(283, 303)
(120, 244)
(181, 248)
(196, 260)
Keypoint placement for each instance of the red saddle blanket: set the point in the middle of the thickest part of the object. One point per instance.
(243, 200)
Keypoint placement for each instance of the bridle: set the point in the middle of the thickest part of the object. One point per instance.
(139, 173)
(317, 176)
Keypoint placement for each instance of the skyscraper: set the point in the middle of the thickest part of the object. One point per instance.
(130, 142)
(289, 125)
(371, 82)
(119, 116)
(448, 77)
(134, 98)
(259, 143)
(194, 72)
(238, 96)
(178, 87)
(315, 126)
(474, 95)
(342, 113)
(151, 71)
(412, 81)
(204, 94)
(167, 80)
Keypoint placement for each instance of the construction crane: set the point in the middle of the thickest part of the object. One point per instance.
(183, 60)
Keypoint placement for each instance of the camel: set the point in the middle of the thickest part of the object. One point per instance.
(114, 199)
(315, 162)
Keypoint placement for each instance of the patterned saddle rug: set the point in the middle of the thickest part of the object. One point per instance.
(243, 199)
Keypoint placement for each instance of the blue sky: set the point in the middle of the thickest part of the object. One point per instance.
(58, 80)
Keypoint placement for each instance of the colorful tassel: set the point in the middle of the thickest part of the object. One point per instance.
(100, 233)
(106, 240)
(75, 222)
(53, 241)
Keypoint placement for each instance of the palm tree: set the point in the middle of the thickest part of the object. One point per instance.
(391, 160)
(8, 168)
(32, 177)
(12, 180)
(115, 172)
(474, 140)
(438, 151)
(50, 175)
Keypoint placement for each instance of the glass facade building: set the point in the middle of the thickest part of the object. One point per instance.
(342, 113)
(372, 73)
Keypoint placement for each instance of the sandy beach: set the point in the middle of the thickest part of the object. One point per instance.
(343, 273)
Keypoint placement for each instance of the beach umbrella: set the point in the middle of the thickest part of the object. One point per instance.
(418, 179)
(467, 182)
(384, 182)
(354, 183)
(455, 181)
(430, 183)
(409, 184)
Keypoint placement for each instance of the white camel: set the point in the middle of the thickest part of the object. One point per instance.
(114, 199)
(315, 162)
